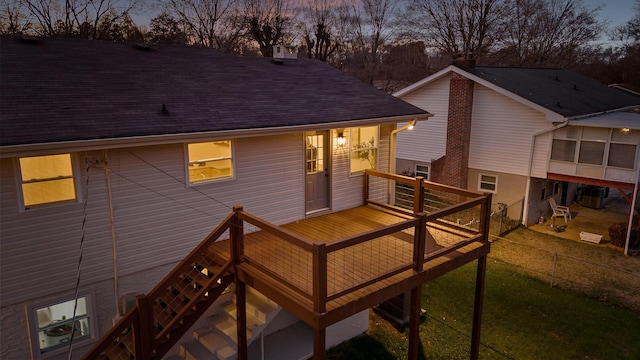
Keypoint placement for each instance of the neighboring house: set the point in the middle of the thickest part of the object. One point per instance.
(135, 153)
(523, 134)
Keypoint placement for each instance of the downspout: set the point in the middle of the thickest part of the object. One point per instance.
(525, 214)
(114, 240)
(392, 154)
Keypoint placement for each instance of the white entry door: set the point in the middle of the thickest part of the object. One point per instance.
(317, 170)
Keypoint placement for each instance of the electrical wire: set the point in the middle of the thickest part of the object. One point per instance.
(82, 235)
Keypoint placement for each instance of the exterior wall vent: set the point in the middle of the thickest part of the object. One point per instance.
(285, 52)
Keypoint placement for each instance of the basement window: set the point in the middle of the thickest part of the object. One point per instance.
(487, 183)
(52, 325)
(210, 161)
(364, 149)
(422, 170)
(47, 179)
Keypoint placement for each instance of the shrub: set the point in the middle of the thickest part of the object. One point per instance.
(618, 235)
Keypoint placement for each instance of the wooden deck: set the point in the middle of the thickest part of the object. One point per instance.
(322, 269)
(358, 276)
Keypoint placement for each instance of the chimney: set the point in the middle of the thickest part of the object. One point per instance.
(285, 52)
(455, 163)
(465, 60)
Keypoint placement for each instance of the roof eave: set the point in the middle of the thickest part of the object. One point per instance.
(115, 143)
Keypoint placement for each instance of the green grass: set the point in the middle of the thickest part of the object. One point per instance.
(523, 318)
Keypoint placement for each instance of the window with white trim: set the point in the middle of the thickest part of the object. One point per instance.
(210, 161)
(364, 148)
(565, 141)
(422, 170)
(592, 145)
(47, 179)
(53, 323)
(487, 183)
(623, 148)
(596, 146)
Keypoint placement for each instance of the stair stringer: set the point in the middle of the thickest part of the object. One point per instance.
(203, 321)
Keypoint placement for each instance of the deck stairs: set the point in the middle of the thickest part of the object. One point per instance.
(216, 339)
(161, 318)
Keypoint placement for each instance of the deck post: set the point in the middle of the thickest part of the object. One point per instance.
(365, 188)
(320, 279)
(420, 243)
(319, 342)
(236, 233)
(414, 322)
(477, 307)
(143, 332)
(418, 195)
(241, 319)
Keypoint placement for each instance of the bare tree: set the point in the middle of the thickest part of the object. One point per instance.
(372, 25)
(203, 19)
(13, 19)
(322, 28)
(267, 22)
(77, 18)
(467, 28)
(549, 32)
(165, 29)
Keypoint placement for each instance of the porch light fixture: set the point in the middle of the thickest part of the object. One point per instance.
(342, 141)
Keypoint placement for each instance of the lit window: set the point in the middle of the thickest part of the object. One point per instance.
(54, 325)
(209, 161)
(422, 170)
(47, 179)
(487, 183)
(364, 148)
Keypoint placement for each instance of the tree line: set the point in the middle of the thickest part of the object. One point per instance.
(387, 43)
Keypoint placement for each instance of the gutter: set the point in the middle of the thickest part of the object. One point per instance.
(115, 143)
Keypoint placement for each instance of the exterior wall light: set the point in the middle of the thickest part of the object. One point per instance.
(342, 141)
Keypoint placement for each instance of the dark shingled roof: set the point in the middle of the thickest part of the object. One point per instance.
(55, 90)
(560, 91)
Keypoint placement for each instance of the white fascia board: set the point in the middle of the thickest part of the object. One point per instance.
(117, 143)
(421, 83)
(550, 116)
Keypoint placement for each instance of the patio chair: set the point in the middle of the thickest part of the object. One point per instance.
(559, 210)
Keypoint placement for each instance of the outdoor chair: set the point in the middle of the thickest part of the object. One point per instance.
(559, 210)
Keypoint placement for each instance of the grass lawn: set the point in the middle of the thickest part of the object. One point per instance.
(523, 318)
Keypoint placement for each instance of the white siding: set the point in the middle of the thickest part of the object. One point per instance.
(40, 248)
(158, 218)
(501, 132)
(347, 189)
(159, 214)
(541, 155)
(427, 141)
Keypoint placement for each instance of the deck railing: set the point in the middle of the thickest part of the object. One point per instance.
(346, 265)
(319, 272)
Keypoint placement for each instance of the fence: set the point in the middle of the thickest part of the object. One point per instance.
(506, 217)
(592, 278)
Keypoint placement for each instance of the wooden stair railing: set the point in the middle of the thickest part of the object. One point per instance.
(159, 319)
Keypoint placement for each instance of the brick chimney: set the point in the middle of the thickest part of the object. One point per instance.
(453, 168)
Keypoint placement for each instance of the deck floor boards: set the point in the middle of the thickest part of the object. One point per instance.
(348, 267)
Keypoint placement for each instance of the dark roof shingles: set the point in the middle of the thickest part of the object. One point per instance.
(561, 91)
(54, 90)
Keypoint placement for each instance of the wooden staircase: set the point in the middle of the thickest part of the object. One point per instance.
(217, 339)
(160, 318)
